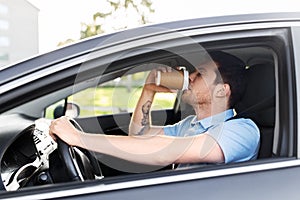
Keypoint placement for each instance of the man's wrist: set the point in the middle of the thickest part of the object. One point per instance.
(148, 92)
(80, 139)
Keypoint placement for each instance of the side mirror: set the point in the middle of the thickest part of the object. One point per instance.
(73, 111)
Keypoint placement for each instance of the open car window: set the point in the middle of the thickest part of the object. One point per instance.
(119, 95)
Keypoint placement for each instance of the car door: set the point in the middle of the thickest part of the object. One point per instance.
(232, 181)
(273, 177)
(243, 43)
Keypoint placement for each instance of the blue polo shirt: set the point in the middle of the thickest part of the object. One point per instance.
(238, 138)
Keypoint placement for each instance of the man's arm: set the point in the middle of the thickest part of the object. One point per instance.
(140, 123)
(141, 118)
(155, 150)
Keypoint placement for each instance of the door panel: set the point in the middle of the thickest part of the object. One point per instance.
(272, 184)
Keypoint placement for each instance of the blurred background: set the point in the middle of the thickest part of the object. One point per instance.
(30, 27)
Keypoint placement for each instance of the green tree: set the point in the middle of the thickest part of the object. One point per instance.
(121, 15)
(116, 15)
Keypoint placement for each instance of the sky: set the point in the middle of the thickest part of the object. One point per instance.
(60, 20)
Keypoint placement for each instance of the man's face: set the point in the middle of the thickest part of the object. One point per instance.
(201, 85)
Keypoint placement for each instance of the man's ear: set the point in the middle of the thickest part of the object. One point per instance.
(222, 90)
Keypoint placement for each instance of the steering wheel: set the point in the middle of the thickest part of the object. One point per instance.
(80, 164)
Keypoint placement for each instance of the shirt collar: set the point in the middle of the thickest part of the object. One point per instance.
(213, 120)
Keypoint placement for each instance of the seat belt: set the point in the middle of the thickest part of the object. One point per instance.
(266, 103)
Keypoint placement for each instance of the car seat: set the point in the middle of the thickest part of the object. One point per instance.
(258, 103)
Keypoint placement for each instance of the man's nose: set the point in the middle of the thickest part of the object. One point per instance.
(192, 76)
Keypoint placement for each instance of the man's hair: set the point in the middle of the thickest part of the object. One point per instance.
(231, 70)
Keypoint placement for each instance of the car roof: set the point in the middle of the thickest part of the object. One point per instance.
(82, 47)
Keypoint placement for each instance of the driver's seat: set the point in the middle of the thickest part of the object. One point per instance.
(258, 103)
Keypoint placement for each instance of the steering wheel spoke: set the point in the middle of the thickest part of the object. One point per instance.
(80, 164)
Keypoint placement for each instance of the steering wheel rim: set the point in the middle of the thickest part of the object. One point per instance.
(66, 152)
(70, 156)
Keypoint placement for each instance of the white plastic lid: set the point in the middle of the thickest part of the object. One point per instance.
(185, 80)
(158, 77)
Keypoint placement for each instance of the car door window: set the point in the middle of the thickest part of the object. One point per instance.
(116, 96)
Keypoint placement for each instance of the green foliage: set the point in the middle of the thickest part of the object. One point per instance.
(116, 98)
(112, 100)
(119, 14)
(68, 41)
(119, 9)
(90, 30)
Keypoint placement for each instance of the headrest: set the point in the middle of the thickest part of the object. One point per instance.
(260, 87)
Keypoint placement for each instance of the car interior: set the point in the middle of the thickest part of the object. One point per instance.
(259, 104)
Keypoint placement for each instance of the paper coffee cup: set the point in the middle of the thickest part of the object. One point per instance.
(177, 79)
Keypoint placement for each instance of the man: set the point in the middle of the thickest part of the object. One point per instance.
(211, 136)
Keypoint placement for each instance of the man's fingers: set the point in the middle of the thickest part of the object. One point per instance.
(156, 88)
(164, 69)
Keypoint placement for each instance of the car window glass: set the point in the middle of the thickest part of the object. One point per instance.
(113, 97)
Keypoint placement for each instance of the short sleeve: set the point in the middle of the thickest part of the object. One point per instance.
(171, 130)
(178, 129)
(238, 139)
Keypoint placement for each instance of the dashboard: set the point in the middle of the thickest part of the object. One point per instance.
(27, 154)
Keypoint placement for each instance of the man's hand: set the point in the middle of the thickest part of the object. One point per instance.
(150, 81)
(63, 128)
